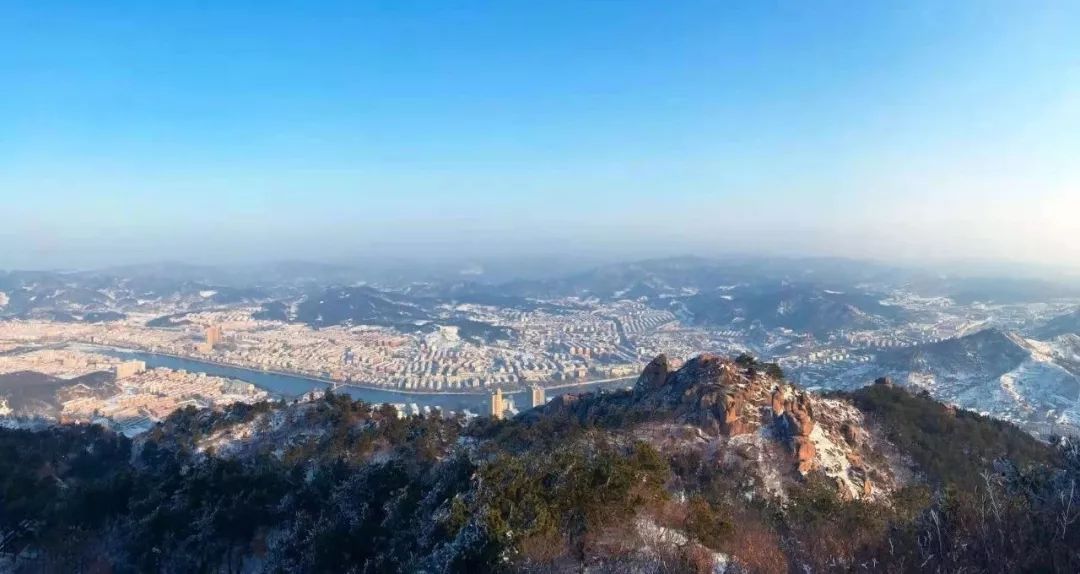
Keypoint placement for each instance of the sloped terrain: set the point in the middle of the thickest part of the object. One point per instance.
(98, 297)
(1067, 324)
(35, 395)
(365, 305)
(716, 465)
(801, 308)
(1029, 382)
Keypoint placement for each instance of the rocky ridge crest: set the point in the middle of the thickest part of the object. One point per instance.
(736, 403)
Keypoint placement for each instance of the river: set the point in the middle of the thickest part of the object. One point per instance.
(290, 386)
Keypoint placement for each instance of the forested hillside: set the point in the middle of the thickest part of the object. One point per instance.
(716, 465)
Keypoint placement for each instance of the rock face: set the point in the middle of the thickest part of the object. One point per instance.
(885, 381)
(713, 393)
(737, 408)
(733, 402)
(654, 376)
(778, 402)
(729, 398)
(799, 421)
(805, 453)
(799, 414)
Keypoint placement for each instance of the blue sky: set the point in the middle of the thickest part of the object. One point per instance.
(140, 131)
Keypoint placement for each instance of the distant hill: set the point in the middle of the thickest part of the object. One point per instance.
(801, 308)
(365, 305)
(1003, 289)
(1067, 324)
(96, 297)
(348, 306)
(1028, 382)
(36, 395)
(673, 276)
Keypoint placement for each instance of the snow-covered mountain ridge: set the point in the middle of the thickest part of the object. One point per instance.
(1033, 383)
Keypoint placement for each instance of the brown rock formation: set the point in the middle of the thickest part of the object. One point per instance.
(850, 434)
(734, 403)
(799, 415)
(805, 451)
(798, 422)
(705, 369)
(654, 376)
(777, 402)
(720, 399)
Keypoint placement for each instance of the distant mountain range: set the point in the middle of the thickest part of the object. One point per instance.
(1033, 383)
(817, 297)
(336, 306)
(1067, 324)
(802, 308)
(364, 305)
(94, 297)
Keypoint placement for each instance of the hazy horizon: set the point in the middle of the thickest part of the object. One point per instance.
(894, 132)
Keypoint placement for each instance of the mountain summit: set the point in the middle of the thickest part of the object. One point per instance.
(740, 408)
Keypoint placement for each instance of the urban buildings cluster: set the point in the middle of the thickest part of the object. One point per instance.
(568, 342)
(598, 342)
(127, 396)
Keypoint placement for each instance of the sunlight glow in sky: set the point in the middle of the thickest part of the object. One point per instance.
(143, 131)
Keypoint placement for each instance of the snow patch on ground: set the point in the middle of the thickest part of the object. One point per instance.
(844, 445)
(768, 472)
(833, 460)
(654, 535)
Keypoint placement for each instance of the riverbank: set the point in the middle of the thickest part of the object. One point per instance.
(296, 375)
(291, 385)
(369, 387)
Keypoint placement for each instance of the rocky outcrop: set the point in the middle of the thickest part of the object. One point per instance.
(563, 401)
(728, 398)
(714, 393)
(793, 418)
(799, 414)
(778, 402)
(740, 412)
(805, 454)
(731, 420)
(654, 376)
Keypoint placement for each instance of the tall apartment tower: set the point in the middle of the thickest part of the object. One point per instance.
(538, 396)
(214, 335)
(128, 369)
(497, 404)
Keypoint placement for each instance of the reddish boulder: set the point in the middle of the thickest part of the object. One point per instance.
(805, 451)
